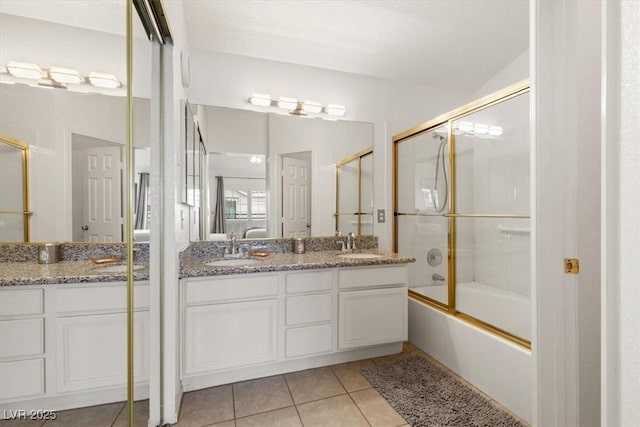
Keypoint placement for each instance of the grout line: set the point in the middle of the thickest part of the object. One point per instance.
(233, 401)
(124, 405)
(292, 400)
(360, 410)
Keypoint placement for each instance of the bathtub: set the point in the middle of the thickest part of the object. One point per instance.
(506, 310)
(498, 367)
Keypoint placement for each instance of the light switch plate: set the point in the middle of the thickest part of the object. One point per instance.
(381, 215)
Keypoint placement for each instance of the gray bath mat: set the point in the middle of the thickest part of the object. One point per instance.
(425, 395)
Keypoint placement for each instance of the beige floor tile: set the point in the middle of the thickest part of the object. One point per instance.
(140, 415)
(350, 376)
(339, 411)
(92, 416)
(231, 423)
(205, 407)
(313, 384)
(286, 417)
(388, 359)
(376, 409)
(261, 395)
(408, 347)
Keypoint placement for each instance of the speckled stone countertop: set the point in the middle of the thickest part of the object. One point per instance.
(196, 266)
(32, 273)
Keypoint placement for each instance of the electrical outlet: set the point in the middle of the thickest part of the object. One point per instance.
(381, 215)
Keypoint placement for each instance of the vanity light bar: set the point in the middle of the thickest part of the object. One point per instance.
(295, 107)
(58, 77)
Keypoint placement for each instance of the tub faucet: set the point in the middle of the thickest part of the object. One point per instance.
(437, 278)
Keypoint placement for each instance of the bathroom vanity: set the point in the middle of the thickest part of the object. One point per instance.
(63, 326)
(288, 313)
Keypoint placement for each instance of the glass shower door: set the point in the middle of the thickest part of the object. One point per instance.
(14, 191)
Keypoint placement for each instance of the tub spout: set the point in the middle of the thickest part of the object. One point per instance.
(437, 278)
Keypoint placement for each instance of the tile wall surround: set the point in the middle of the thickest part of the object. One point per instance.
(215, 248)
(28, 252)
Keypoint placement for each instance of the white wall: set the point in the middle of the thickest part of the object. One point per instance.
(228, 81)
(621, 214)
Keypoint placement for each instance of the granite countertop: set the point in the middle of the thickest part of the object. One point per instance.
(32, 273)
(196, 266)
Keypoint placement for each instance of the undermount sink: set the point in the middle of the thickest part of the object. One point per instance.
(120, 268)
(233, 262)
(360, 256)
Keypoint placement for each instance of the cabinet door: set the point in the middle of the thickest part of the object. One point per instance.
(92, 350)
(222, 336)
(372, 317)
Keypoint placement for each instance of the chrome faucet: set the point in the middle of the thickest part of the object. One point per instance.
(437, 278)
(351, 241)
(234, 246)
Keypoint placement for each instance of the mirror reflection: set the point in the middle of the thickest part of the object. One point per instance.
(76, 131)
(274, 175)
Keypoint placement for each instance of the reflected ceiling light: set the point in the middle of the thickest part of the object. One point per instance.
(287, 103)
(336, 110)
(312, 106)
(465, 126)
(260, 99)
(24, 70)
(104, 80)
(480, 128)
(495, 130)
(65, 75)
(256, 160)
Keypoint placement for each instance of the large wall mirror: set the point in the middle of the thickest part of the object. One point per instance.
(273, 175)
(76, 131)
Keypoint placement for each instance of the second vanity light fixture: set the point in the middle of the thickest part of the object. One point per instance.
(297, 107)
(60, 77)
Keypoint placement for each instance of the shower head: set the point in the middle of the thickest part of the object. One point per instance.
(436, 135)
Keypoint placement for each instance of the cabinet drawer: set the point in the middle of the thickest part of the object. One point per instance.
(308, 309)
(21, 302)
(230, 288)
(308, 340)
(21, 379)
(100, 298)
(21, 337)
(364, 277)
(309, 281)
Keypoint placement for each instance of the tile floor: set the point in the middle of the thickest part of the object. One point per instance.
(332, 396)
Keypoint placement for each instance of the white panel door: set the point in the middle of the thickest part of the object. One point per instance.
(296, 198)
(102, 194)
(372, 317)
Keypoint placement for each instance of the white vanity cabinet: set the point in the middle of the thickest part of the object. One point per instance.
(372, 306)
(91, 336)
(242, 326)
(229, 321)
(64, 346)
(22, 344)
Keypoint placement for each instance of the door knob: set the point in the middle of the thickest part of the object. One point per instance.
(85, 227)
(308, 225)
